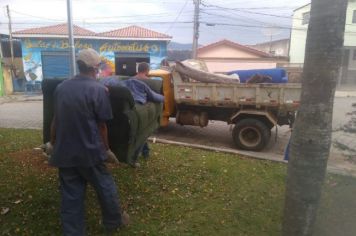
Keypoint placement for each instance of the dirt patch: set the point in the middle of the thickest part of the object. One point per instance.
(31, 158)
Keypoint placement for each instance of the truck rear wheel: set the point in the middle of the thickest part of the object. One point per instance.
(251, 134)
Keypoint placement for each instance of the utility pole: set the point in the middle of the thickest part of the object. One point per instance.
(10, 37)
(71, 39)
(196, 29)
(1, 74)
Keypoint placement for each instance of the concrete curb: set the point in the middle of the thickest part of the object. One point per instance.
(334, 169)
(255, 155)
(345, 94)
(20, 99)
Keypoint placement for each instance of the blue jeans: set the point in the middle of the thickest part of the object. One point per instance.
(73, 182)
(286, 152)
(144, 150)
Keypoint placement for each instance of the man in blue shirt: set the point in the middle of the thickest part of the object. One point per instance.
(80, 147)
(142, 94)
(143, 70)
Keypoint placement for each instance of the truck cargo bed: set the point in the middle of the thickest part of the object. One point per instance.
(278, 96)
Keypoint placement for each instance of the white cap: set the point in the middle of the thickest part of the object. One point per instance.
(89, 56)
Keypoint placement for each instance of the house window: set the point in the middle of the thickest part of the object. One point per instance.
(306, 17)
(354, 17)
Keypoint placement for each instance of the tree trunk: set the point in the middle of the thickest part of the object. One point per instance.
(311, 138)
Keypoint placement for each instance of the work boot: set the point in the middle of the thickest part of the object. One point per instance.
(125, 218)
(111, 158)
(125, 221)
(135, 165)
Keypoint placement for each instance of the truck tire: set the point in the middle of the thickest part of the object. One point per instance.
(251, 134)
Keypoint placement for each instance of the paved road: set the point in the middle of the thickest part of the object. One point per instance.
(28, 114)
(25, 114)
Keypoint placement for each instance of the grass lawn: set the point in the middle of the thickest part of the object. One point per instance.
(178, 191)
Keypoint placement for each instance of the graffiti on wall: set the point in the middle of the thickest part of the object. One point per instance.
(32, 48)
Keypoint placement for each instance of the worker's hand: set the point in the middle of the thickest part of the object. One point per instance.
(112, 157)
(47, 149)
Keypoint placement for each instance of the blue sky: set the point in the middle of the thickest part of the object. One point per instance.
(245, 22)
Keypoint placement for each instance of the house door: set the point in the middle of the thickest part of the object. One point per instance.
(126, 63)
(55, 64)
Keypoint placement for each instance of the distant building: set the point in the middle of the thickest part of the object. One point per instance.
(45, 50)
(225, 55)
(12, 69)
(301, 16)
(279, 48)
(178, 55)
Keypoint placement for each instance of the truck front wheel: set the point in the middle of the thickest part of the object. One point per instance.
(251, 134)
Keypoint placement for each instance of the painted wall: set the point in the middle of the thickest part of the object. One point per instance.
(350, 28)
(224, 58)
(18, 81)
(299, 32)
(225, 51)
(32, 47)
(8, 87)
(298, 37)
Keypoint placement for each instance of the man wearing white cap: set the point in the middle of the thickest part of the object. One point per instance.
(80, 147)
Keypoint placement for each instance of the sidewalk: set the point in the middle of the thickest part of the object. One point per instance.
(344, 93)
(21, 98)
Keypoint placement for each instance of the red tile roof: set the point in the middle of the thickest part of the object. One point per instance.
(61, 29)
(134, 32)
(235, 45)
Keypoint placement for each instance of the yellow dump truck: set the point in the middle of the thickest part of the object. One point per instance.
(254, 109)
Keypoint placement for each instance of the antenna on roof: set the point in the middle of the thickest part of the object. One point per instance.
(271, 31)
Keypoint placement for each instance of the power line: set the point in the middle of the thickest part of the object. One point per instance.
(107, 22)
(261, 23)
(175, 20)
(245, 11)
(39, 17)
(253, 12)
(257, 26)
(105, 17)
(247, 26)
(231, 17)
(208, 23)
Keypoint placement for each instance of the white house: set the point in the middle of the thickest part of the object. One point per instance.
(299, 34)
(278, 48)
(225, 55)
